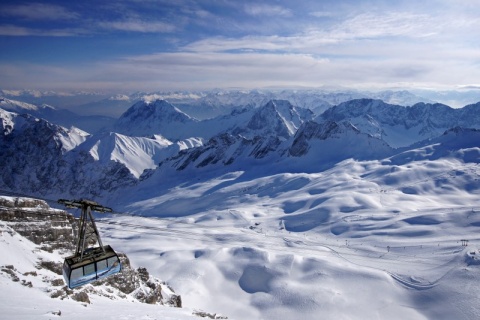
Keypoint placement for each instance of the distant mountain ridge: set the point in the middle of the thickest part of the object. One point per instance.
(401, 126)
(146, 118)
(62, 117)
(206, 104)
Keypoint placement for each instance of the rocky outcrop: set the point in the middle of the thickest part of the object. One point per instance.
(35, 220)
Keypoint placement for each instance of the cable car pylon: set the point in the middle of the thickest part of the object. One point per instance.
(88, 263)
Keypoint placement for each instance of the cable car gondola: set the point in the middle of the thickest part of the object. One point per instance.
(89, 264)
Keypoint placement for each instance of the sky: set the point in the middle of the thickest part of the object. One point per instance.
(150, 45)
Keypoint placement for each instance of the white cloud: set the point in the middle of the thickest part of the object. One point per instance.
(38, 11)
(321, 14)
(313, 40)
(203, 70)
(267, 10)
(406, 24)
(11, 30)
(138, 26)
(470, 86)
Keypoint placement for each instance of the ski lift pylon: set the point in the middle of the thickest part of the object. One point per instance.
(88, 263)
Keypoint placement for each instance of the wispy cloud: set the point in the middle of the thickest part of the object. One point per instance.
(470, 86)
(368, 25)
(267, 10)
(138, 26)
(321, 14)
(9, 30)
(366, 34)
(16, 31)
(38, 11)
(203, 70)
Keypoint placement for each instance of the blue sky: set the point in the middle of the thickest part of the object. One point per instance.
(154, 45)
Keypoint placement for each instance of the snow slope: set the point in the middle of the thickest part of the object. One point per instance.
(364, 239)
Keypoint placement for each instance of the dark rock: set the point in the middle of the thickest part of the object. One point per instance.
(143, 274)
(175, 301)
(81, 297)
(27, 284)
(55, 267)
(204, 314)
(58, 282)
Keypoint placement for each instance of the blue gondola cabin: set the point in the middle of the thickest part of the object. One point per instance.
(95, 264)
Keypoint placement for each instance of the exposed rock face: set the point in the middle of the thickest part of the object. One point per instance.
(311, 130)
(54, 229)
(35, 220)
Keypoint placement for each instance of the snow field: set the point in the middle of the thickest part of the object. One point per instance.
(348, 243)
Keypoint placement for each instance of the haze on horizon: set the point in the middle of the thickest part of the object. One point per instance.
(205, 44)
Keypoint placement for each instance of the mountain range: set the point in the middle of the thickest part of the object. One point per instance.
(155, 138)
(212, 103)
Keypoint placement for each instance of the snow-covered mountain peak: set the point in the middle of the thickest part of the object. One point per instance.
(158, 108)
(16, 106)
(135, 153)
(456, 144)
(146, 118)
(7, 122)
(401, 97)
(401, 126)
(360, 107)
(119, 97)
(459, 137)
(47, 107)
(324, 130)
(29, 128)
(276, 118)
(322, 144)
